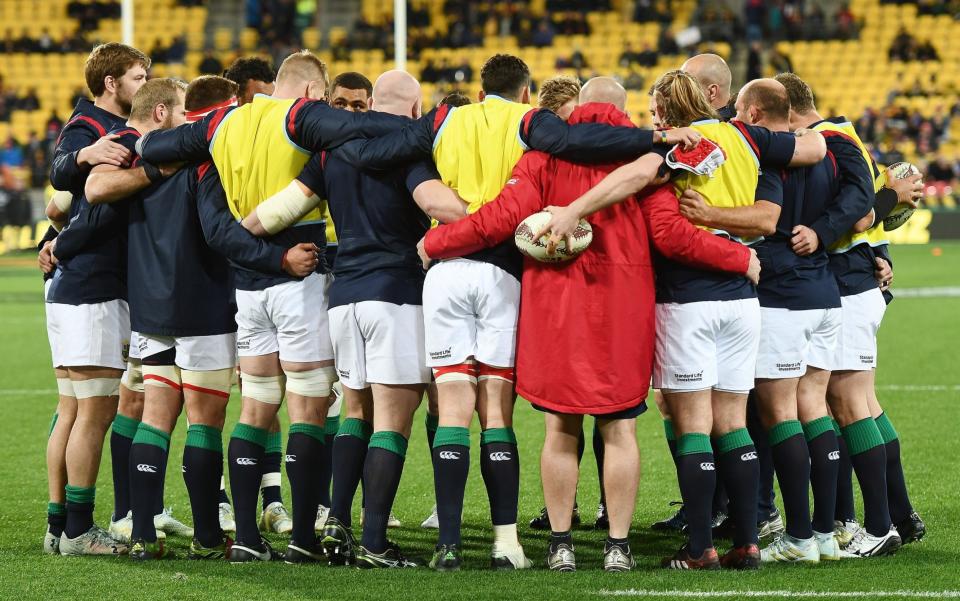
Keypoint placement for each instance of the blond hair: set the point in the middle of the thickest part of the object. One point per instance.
(302, 67)
(164, 91)
(557, 91)
(680, 100)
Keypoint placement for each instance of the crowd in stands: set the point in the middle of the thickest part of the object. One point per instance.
(905, 47)
(11, 100)
(773, 21)
(44, 44)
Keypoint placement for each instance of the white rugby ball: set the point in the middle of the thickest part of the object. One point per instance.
(902, 212)
(537, 249)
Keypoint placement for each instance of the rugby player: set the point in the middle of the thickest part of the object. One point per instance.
(350, 91)
(158, 104)
(256, 150)
(470, 304)
(705, 385)
(432, 418)
(184, 314)
(375, 312)
(253, 75)
(88, 322)
(615, 400)
(800, 321)
(853, 263)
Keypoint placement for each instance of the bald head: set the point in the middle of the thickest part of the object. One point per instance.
(398, 93)
(713, 75)
(764, 102)
(604, 89)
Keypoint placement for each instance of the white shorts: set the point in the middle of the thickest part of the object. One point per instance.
(860, 320)
(134, 351)
(378, 343)
(290, 318)
(194, 353)
(470, 308)
(792, 340)
(94, 335)
(709, 344)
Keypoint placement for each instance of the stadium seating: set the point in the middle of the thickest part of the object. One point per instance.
(847, 76)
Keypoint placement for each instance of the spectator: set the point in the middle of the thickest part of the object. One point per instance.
(78, 94)
(45, 42)
(210, 65)
(543, 36)
(667, 43)
(634, 81)
(158, 54)
(11, 153)
(754, 62)
(30, 101)
(177, 51)
(780, 62)
(648, 57)
(628, 56)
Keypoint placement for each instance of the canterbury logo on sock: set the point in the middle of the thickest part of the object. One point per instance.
(500, 456)
(246, 461)
(449, 455)
(833, 455)
(748, 456)
(290, 458)
(144, 467)
(707, 466)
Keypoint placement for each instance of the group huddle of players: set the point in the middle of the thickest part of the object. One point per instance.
(279, 226)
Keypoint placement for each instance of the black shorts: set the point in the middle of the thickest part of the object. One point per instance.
(331, 255)
(630, 413)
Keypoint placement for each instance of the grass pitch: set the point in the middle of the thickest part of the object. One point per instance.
(919, 387)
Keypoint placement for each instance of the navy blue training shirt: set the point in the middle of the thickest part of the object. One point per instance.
(787, 280)
(179, 286)
(378, 226)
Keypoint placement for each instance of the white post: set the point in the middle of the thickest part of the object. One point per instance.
(400, 33)
(126, 22)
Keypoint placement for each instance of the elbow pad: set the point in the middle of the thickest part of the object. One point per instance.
(285, 208)
(62, 200)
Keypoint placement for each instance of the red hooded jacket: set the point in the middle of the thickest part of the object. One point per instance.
(586, 330)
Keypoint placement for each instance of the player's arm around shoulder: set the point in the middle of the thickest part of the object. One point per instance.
(497, 220)
(677, 239)
(436, 199)
(289, 205)
(187, 143)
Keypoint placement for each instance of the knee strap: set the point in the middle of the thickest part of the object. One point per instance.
(96, 387)
(162, 375)
(132, 377)
(313, 383)
(461, 372)
(487, 372)
(65, 388)
(266, 389)
(216, 382)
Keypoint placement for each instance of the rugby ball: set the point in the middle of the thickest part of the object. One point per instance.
(537, 249)
(902, 212)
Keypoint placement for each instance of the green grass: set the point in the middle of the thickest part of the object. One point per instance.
(918, 348)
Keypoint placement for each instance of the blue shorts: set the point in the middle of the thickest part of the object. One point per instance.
(630, 413)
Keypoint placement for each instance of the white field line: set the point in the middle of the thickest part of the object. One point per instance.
(781, 594)
(927, 292)
(881, 387)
